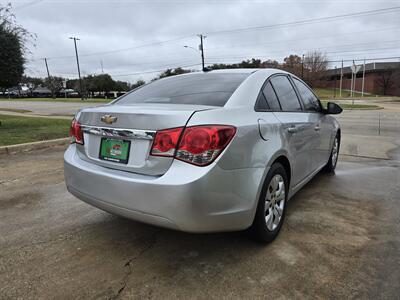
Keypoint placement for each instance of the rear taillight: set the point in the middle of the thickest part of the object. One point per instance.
(199, 145)
(76, 133)
(166, 141)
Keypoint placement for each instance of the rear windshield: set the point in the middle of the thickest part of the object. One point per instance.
(202, 89)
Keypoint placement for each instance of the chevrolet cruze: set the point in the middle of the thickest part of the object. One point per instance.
(203, 152)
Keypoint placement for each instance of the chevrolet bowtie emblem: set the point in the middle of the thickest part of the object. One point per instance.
(109, 119)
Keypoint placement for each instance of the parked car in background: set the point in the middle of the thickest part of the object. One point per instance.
(203, 152)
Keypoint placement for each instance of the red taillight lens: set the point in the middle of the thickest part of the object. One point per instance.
(76, 133)
(166, 142)
(201, 145)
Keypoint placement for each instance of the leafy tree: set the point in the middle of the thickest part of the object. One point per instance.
(173, 72)
(292, 64)
(13, 41)
(103, 83)
(122, 86)
(137, 84)
(73, 84)
(54, 84)
(250, 63)
(270, 64)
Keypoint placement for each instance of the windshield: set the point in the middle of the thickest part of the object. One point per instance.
(202, 89)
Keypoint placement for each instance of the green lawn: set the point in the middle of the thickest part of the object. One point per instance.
(17, 130)
(59, 100)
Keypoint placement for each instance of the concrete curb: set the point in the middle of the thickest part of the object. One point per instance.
(12, 149)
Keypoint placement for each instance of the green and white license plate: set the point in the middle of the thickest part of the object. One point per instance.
(114, 150)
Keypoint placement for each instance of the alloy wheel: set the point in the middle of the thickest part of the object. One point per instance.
(335, 152)
(274, 202)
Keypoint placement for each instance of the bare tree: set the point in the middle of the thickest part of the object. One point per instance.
(315, 65)
(388, 79)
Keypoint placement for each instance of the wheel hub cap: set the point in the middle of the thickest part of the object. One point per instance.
(274, 202)
(335, 152)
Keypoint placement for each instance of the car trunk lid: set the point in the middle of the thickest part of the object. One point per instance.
(137, 125)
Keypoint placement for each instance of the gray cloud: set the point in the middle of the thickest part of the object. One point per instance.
(109, 25)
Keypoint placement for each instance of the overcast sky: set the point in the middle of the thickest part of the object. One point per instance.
(123, 34)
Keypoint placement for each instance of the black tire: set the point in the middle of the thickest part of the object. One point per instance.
(331, 164)
(259, 229)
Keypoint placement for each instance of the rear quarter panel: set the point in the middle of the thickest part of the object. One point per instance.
(247, 149)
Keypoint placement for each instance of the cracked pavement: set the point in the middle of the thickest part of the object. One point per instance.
(341, 239)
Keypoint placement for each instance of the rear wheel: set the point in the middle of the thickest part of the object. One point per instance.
(271, 206)
(331, 165)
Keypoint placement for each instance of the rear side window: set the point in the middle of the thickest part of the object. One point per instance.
(261, 103)
(309, 99)
(286, 93)
(202, 89)
(270, 95)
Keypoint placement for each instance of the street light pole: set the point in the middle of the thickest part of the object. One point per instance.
(77, 63)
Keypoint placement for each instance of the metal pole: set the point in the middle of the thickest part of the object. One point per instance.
(48, 76)
(341, 79)
(202, 51)
(334, 91)
(379, 123)
(351, 84)
(77, 63)
(302, 67)
(363, 80)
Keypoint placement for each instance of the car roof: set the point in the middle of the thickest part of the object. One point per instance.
(238, 70)
(247, 70)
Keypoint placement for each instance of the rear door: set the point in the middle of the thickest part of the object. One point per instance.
(311, 104)
(297, 128)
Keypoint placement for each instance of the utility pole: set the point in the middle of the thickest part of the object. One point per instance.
(48, 76)
(77, 63)
(201, 47)
(101, 63)
(302, 67)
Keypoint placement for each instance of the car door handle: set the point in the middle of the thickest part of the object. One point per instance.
(291, 129)
(317, 128)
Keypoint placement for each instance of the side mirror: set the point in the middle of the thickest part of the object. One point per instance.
(333, 109)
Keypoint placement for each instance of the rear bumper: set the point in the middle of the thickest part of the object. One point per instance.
(186, 197)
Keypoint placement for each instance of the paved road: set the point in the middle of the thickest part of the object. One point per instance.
(341, 239)
(370, 122)
(47, 108)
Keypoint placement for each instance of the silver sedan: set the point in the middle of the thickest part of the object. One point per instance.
(203, 152)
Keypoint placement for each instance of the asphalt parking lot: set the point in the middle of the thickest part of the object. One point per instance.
(340, 239)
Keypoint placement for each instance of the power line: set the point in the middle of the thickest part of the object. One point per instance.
(309, 21)
(285, 41)
(126, 49)
(156, 71)
(27, 4)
